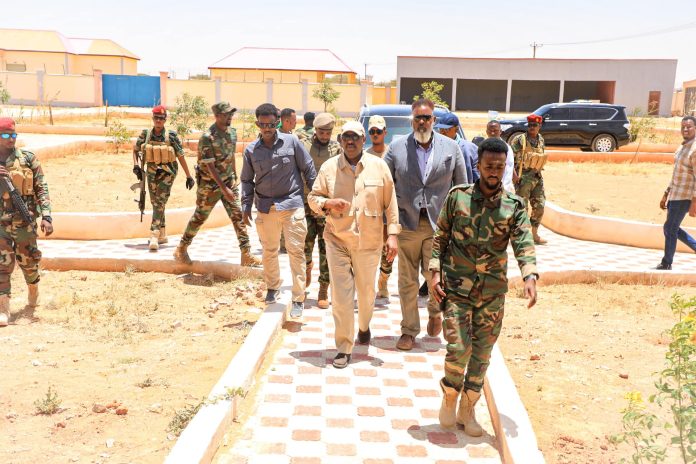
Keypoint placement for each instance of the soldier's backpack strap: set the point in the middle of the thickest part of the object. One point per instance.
(523, 141)
(148, 135)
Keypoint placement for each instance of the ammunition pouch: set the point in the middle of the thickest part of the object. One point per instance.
(22, 178)
(158, 152)
(532, 157)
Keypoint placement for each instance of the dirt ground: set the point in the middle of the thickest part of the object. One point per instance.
(155, 343)
(627, 191)
(585, 336)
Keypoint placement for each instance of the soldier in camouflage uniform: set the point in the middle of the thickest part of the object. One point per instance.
(17, 237)
(217, 176)
(320, 148)
(306, 131)
(159, 147)
(530, 157)
(469, 265)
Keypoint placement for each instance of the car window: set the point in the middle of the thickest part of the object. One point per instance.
(581, 114)
(396, 126)
(603, 113)
(557, 114)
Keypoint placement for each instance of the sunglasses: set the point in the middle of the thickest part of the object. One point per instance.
(533, 124)
(266, 125)
(423, 117)
(8, 136)
(376, 131)
(350, 136)
(159, 118)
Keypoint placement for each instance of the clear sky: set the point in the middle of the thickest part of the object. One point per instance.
(187, 36)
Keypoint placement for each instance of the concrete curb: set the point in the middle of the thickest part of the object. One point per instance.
(202, 437)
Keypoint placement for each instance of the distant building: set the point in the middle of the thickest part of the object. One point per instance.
(24, 50)
(684, 101)
(252, 64)
(524, 84)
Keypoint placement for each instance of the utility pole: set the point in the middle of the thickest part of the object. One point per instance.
(534, 48)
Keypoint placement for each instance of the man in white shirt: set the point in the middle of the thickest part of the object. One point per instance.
(493, 130)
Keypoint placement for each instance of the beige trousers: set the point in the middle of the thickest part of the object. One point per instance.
(351, 270)
(415, 249)
(292, 223)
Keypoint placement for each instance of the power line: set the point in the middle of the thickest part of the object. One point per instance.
(665, 30)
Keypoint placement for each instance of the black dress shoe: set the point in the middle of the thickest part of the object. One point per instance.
(664, 267)
(364, 337)
(341, 360)
(423, 290)
(271, 296)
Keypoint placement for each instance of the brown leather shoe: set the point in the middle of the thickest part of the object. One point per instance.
(434, 326)
(405, 343)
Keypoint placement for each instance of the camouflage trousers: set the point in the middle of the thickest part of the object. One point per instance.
(471, 326)
(18, 242)
(207, 196)
(159, 183)
(315, 232)
(531, 189)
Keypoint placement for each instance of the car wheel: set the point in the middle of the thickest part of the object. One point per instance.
(604, 143)
(512, 136)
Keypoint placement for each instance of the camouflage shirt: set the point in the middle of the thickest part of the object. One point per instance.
(217, 148)
(304, 133)
(173, 140)
(516, 145)
(472, 235)
(39, 203)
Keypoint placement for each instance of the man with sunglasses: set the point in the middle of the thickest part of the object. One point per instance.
(17, 237)
(320, 148)
(530, 158)
(217, 179)
(354, 191)
(275, 168)
(424, 166)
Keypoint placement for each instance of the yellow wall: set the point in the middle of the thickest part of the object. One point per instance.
(195, 87)
(379, 96)
(260, 75)
(348, 101)
(243, 95)
(22, 86)
(53, 63)
(69, 89)
(287, 96)
(86, 64)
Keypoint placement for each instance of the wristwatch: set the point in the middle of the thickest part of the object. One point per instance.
(530, 277)
(48, 219)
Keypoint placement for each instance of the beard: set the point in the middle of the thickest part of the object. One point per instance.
(423, 135)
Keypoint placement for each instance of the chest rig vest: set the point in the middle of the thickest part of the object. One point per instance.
(22, 177)
(158, 152)
(532, 157)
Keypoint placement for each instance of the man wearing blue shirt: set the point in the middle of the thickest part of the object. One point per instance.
(272, 178)
(447, 125)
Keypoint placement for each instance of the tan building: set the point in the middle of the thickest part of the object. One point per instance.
(291, 65)
(25, 50)
(684, 100)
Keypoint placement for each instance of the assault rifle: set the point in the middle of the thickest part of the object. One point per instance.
(6, 185)
(141, 185)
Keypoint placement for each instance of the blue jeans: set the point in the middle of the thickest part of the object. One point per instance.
(676, 210)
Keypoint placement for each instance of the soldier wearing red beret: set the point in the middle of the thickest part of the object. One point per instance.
(17, 236)
(530, 158)
(157, 151)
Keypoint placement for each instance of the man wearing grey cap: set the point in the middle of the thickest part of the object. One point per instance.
(320, 148)
(272, 178)
(216, 174)
(424, 165)
(354, 191)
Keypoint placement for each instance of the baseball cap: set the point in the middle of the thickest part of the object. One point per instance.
(223, 107)
(353, 126)
(446, 121)
(376, 121)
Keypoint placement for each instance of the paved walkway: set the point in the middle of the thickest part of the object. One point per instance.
(383, 407)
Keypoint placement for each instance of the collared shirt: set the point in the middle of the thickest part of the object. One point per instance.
(217, 148)
(424, 157)
(273, 176)
(683, 183)
(372, 151)
(369, 188)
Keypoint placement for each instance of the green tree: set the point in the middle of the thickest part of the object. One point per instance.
(4, 95)
(118, 133)
(431, 91)
(326, 93)
(190, 113)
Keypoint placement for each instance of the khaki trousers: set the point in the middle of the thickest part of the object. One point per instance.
(351, 270)
(292, 223)
(415, 249)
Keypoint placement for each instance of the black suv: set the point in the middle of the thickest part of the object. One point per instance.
(590, 126)
(398, 119)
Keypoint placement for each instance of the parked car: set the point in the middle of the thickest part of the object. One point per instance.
(590, 126)
(398, 119)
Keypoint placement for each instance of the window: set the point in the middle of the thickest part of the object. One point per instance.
(581, 114)
(603, 113)
(16, 67)
(557, 114)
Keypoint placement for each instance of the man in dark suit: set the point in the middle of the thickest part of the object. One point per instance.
(424, 166)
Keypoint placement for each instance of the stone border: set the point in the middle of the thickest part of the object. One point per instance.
(201, 438)
(607, 230)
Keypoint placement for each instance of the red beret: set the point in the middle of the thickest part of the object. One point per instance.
(7, 124)
(159, 110)
(534, 118)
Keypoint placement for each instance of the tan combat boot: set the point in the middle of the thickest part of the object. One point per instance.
(154, 238)
(33, 299)
(449, 405)
(323, 296)
(4, 310)
(466, 415)
(537, 240)
(382, 290)
(249, 260)
(181, 254)
(308, 275)
(162, 239)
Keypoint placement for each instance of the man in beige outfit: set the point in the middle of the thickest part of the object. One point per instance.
(354, 191)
